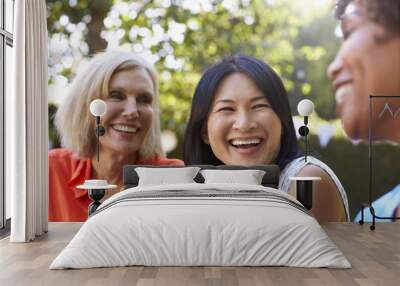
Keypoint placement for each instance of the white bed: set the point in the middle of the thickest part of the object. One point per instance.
(201, 225)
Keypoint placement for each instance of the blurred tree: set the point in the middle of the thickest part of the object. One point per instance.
(183, 37)
(315, 49)
(54, 138)
(64, 12)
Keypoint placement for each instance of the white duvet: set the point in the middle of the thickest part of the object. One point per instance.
(201, 224)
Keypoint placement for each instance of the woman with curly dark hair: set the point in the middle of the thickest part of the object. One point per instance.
(368, 63)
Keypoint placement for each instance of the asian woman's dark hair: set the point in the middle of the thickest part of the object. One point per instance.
(195, 151)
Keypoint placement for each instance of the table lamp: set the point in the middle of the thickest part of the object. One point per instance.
(305, 108)
(98, 108)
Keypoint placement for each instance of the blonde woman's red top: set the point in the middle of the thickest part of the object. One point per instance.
(66, 202)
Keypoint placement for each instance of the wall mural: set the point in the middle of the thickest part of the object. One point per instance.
(301, 40)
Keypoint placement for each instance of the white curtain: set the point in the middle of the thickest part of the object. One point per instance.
(27, 123)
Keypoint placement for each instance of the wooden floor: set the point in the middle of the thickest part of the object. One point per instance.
(374, 255)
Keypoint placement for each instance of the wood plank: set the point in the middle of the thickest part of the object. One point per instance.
(374, 255)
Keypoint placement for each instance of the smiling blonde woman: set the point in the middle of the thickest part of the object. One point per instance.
(128, 85)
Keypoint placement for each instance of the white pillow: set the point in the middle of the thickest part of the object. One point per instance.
(165, 176)
(248, 177)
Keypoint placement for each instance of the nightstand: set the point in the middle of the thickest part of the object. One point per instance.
(96, 191)
(304, 190)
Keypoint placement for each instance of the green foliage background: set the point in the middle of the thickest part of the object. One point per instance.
(183, 37)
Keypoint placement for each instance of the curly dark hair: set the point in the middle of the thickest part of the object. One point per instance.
(382, 12)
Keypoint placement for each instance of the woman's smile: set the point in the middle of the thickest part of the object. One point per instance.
(242, 128)
(124, 128)
(246, 145)
(341, 95)
(124, 132)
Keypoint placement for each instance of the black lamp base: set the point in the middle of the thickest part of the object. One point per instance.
(303, 131)
(96, 195)
(305, 193)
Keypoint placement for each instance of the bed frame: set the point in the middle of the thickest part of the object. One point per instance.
(270, 179)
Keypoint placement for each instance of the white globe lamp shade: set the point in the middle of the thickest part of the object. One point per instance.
(168, 141)
(98, 107)
(305, 107)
